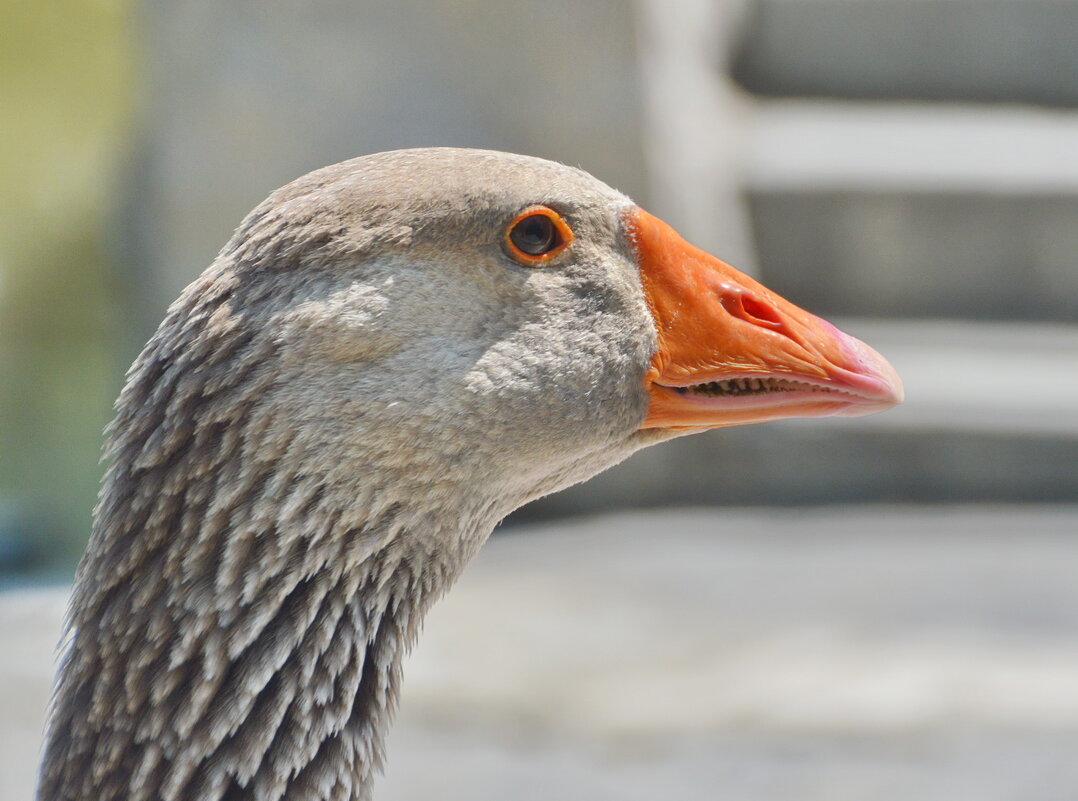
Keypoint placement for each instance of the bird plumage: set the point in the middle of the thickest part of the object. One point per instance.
(322, 432)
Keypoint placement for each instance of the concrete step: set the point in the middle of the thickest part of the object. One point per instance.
(916, 211)
(984, 50)
(991, 414)
(802, 145)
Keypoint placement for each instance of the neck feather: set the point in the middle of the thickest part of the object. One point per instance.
(176, 686)
(281, 688)
(238, 623)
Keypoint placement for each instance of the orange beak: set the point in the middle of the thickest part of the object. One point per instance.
(731, 351)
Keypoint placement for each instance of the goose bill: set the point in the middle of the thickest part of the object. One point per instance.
(730, 351)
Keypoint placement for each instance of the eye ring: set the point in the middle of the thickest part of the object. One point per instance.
(536, 235)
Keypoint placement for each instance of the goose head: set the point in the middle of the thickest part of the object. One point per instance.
(389, 355)
(411, 332)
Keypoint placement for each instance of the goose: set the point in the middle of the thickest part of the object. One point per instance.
(388, 356)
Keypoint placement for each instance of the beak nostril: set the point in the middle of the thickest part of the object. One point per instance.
(752, 310)
(760, 312)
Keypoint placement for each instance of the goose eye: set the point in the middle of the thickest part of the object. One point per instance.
(536, 235)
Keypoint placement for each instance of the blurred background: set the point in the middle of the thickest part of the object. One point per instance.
(874, 608)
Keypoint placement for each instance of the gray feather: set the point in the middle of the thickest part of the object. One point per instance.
(324, 429)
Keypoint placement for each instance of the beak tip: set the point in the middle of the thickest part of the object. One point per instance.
(898, 391)
(876, 371)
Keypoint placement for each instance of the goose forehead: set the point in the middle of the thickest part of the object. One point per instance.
(439, 182)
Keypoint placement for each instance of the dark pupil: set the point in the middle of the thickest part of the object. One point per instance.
(535, 235)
